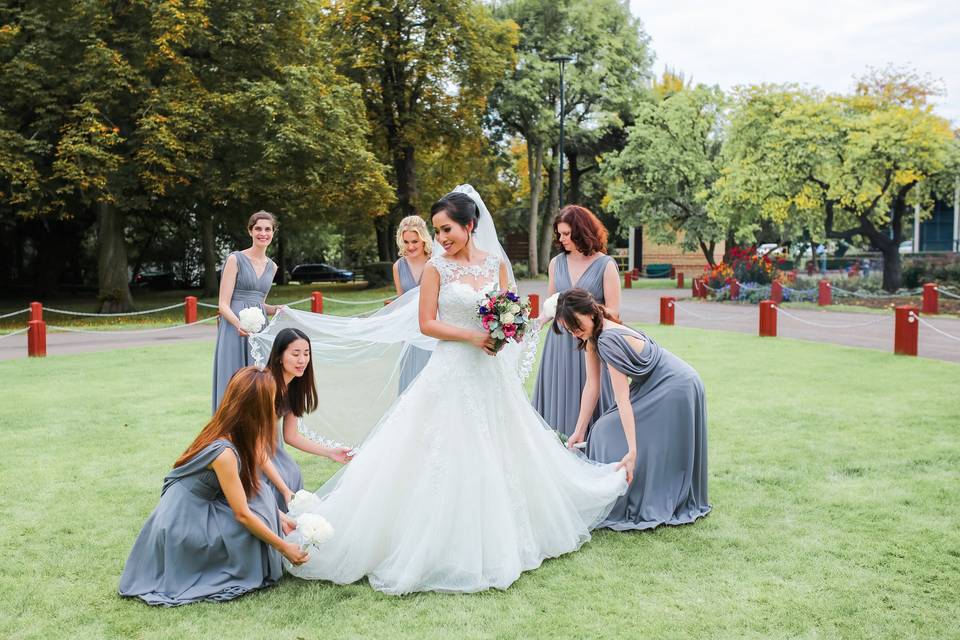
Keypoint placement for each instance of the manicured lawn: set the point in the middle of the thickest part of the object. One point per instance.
(834, 475)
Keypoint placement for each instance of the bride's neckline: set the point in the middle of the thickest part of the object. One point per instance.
(466, 265)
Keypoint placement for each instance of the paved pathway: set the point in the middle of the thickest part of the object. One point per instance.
(869, 330)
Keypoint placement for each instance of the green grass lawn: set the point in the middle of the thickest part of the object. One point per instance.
(833, 471)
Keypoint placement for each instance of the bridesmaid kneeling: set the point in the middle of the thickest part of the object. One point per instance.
(292, 371)
(659, 426)
(216, 533)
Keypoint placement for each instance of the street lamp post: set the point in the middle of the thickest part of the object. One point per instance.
(561, 60)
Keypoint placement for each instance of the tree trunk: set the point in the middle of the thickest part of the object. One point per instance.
(553, 205)
(114, 287)
(573, 194)
(535, 169)
(707, 249)
(211, 287)
(405, 171)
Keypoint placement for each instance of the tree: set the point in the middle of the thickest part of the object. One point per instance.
(663, 178)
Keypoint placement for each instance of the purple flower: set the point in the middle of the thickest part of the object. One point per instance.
(484, 311)
(512, 296)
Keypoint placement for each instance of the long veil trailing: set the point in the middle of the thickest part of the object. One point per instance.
(356, 361)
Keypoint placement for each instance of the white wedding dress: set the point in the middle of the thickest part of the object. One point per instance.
(462, 486)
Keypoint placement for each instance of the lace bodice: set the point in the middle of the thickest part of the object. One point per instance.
(462, 287)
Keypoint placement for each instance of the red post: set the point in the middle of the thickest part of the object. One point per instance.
(906, 330)
(190, 309)
(667, 308)
(734, 289)
(768, 319)
(824, 294)
(316, 305)
(628, 280)
(36, 311)
(673, 271)
(534, 305)
(36, 338)
(776, 292)
(680, 280)
(931, 299)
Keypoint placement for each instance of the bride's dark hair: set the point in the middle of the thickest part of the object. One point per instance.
(459, 207)
(579, 301)
(300, 396)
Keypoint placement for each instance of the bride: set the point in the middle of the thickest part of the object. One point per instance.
(460, 486)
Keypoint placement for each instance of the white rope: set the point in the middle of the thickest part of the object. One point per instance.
(128, 331)
(341, 301)
(111, 315)
(829, 326)
(949, 294)
(208, 305)
(13, 313)
(924, 322)
(14, 333)
(905, 294)
(702, 317)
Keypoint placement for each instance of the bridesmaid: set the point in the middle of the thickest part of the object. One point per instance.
(658, 428)
(562, 384)
(292, 371)
(246, 281)
(415, 247)
(216, 533)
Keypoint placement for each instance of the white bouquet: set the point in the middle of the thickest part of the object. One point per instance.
(302, 502)
(314, 529)
(252, 319)
(550, 307)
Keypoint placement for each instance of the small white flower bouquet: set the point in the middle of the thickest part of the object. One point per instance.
(549, 311)
(314, 529)
(252, 319)
(302, 502)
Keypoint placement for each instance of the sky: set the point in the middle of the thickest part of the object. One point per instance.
(822, 44)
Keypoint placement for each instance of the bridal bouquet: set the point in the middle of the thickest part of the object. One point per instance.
(252, 319)
(303, 502)
(504, 316)
(314, 529)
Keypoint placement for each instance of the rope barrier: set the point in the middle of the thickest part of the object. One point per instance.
(858, 294)
(925, 323)
(702, 317)
(829, 326)
(208, 305)
(112, 315)
(128, 331)
(943, 291)
(342, 301)
(13, 313)
(13, 333)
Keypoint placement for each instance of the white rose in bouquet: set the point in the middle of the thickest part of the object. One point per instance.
(252, 319)
(550, 307)
(314, 529)
(507, 318)
(303, 502)
(514, 308)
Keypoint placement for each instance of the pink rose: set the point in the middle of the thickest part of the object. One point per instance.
(509, 330)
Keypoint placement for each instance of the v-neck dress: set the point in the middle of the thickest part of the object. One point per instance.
(414, 359)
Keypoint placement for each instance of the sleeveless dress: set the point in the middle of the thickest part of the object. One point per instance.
(232, 352)
(563, 369)
(669, 408)
(414, 359)
(461, 487)
(192, 548)
(286, 466)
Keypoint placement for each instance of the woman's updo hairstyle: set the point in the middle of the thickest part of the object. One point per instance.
(459, 207)
(580, 301)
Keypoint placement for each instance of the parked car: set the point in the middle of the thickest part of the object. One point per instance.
(319, 272)
(154, 280)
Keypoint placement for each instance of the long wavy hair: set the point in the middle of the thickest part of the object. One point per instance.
(246, 418)
(580, 301)
(587, 232)
(300, 396)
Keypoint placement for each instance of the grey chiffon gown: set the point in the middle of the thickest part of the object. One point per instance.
(286, 466)
(563, 369)
(415, 359)
(669, 408)
(232, 352)
(192, 548)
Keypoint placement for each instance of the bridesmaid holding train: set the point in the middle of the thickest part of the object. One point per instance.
(658, 426)
(562, 378)
(415, 247)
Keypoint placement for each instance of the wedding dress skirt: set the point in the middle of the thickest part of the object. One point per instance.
(462, 486)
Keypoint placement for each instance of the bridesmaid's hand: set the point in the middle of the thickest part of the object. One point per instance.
(483, 340)
(575, 439)
(293, 553)
(287, 524)
(339, 454)
(628, 464)
(243, 334)
(277, 308)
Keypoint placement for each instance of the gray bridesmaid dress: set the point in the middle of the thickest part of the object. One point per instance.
(563, 369)
(669, 408)
(232, 352)
(286, 466)
(414, 359)
(192, 548)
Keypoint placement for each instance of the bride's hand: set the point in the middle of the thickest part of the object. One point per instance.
(293, 553)
(628, 463)
(339, 454)
(575, 439)
(483, 340)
